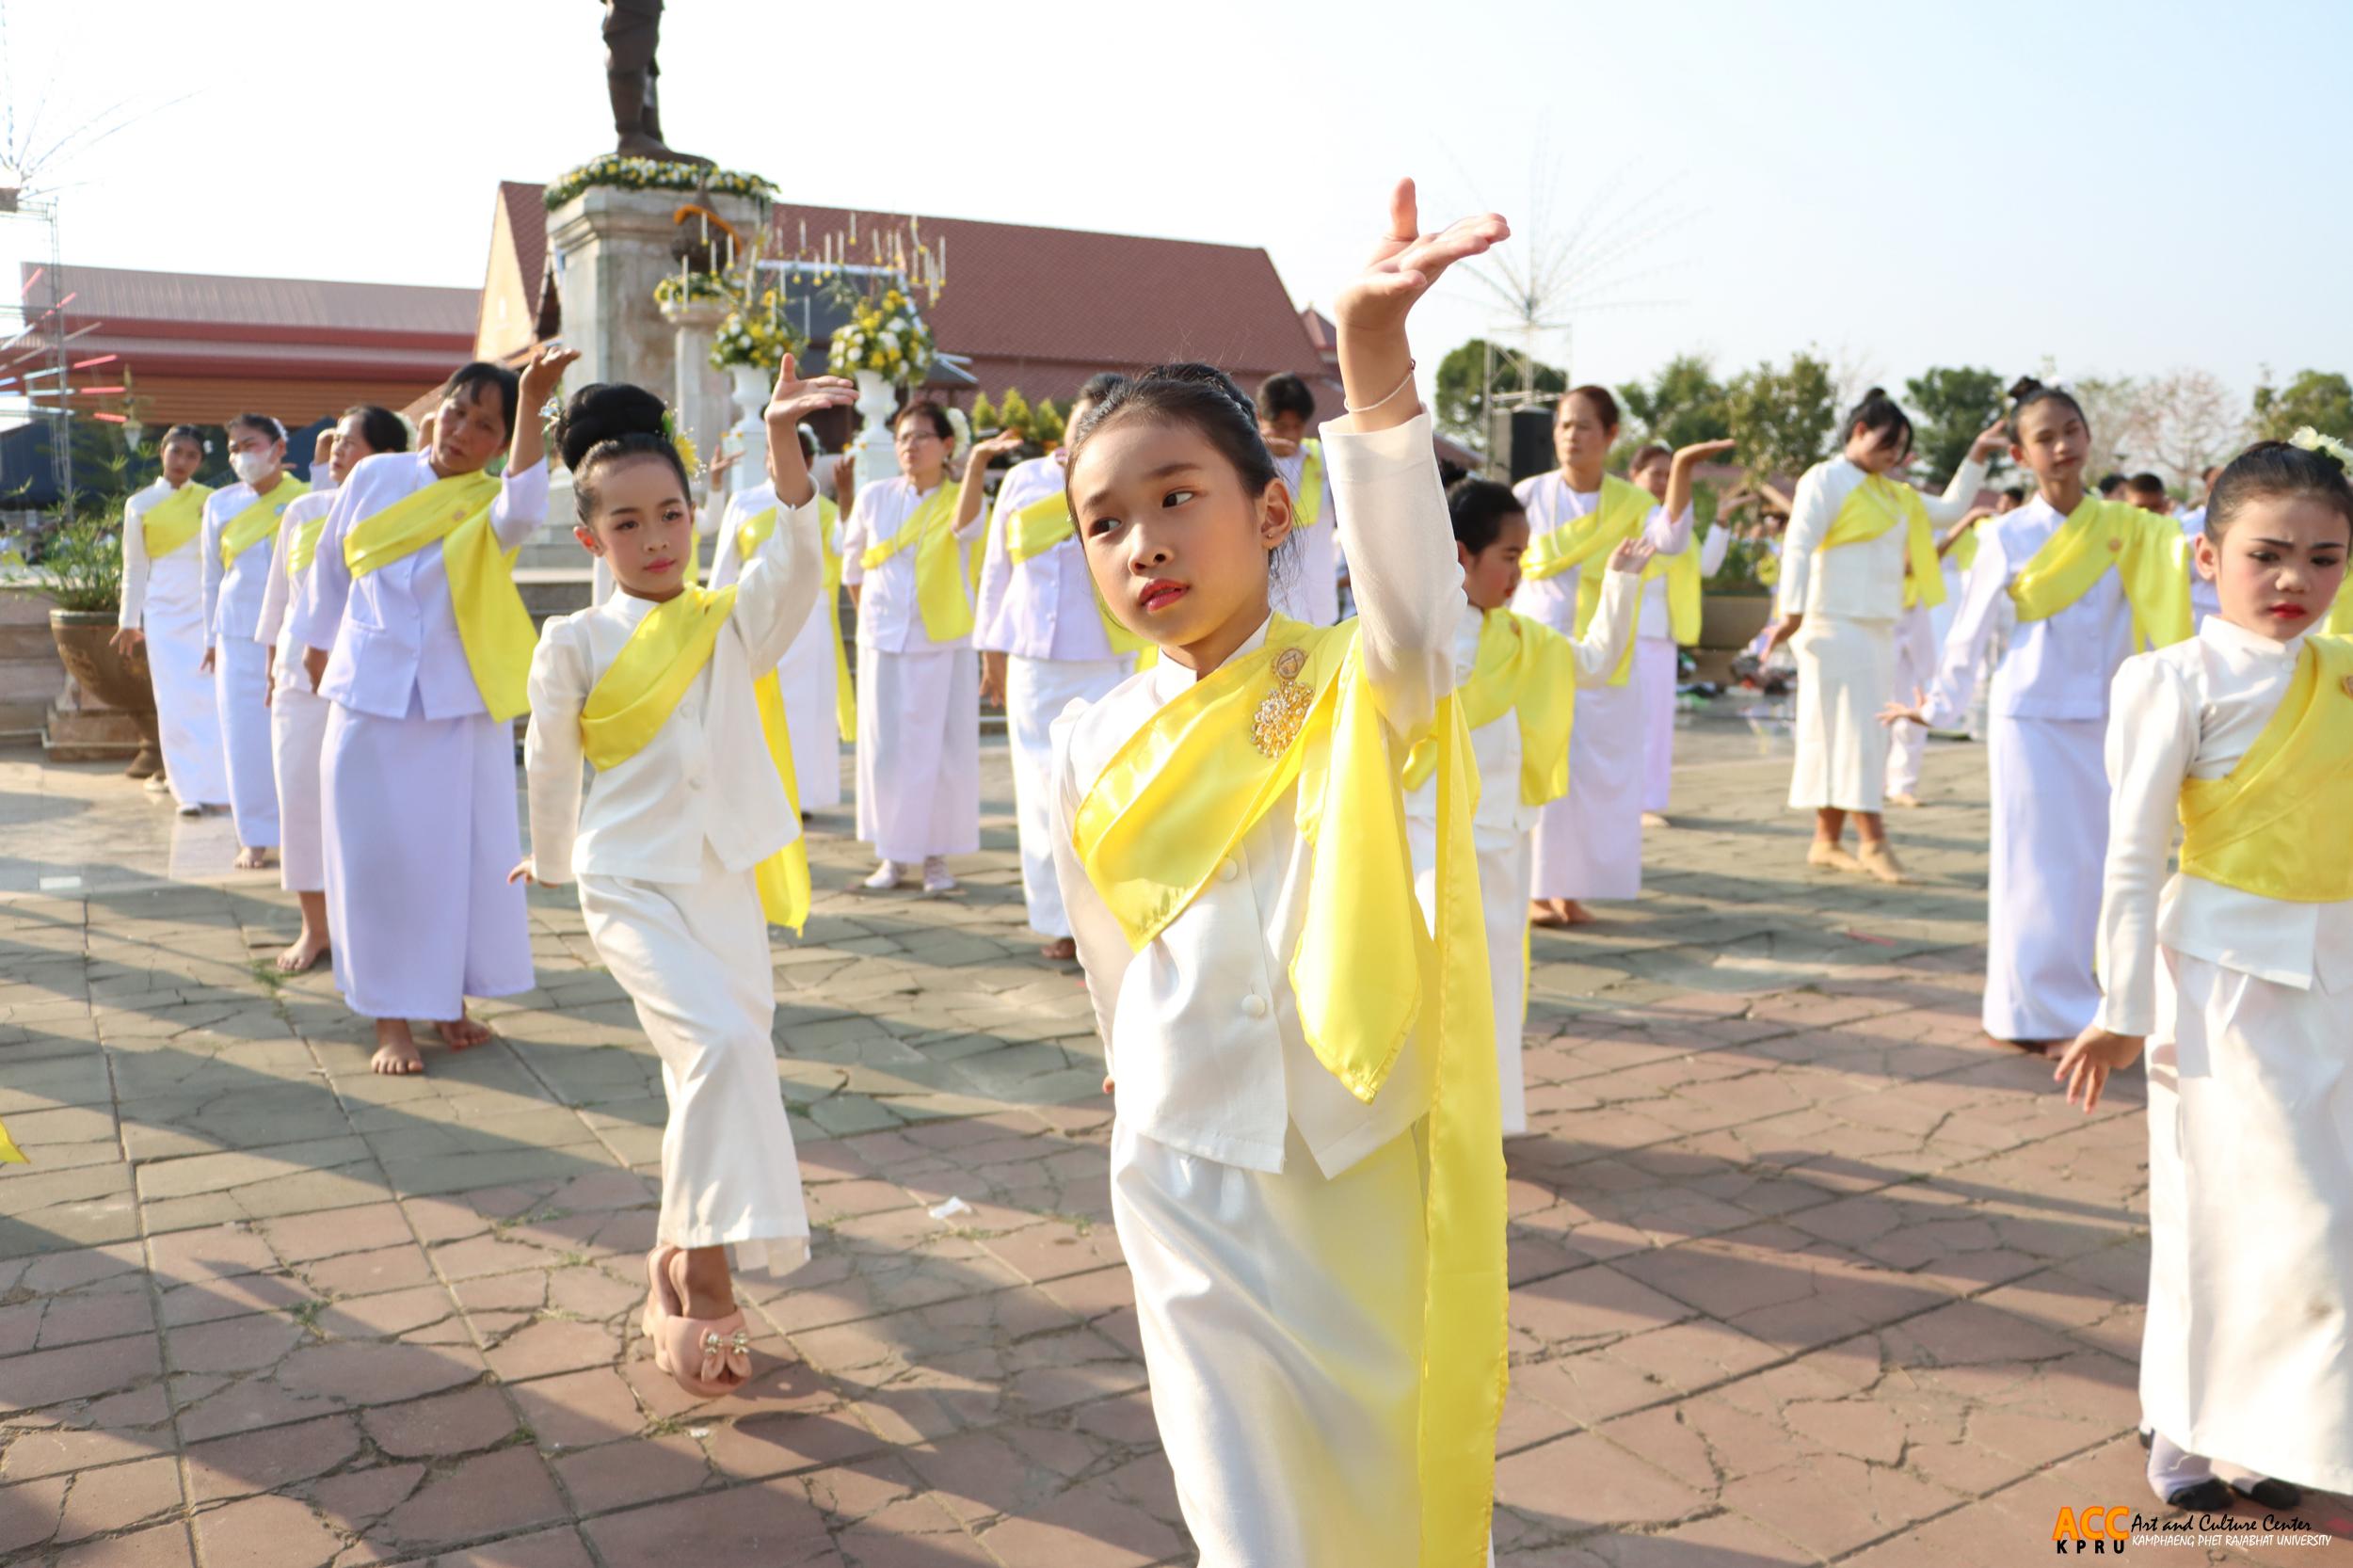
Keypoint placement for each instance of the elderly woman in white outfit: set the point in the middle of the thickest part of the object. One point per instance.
(1856, 531)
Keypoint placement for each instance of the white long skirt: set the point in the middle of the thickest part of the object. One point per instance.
(241, 687)
(297, 732)
(1916, 668)
(1846, 674)
(1656, 670)
(419, 820)
(807, 676)
(1503, 883)
(1282, 1327)
(1589, 844)
(918, 753)
(188, 709)
(2247, 1352)
(693, 958)
(2049, 839)
(1036, 691)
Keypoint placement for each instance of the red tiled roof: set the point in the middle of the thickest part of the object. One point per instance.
(300, 305)
(527, 220)
(1072, 297)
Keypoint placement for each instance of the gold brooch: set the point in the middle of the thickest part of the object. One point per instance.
(1285, 708)
(457, 515)
(2116, 547)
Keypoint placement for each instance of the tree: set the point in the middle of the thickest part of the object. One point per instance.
(1684, 403)
(1781, 418)
(1474, 375)
(1951, 406)
(2322, 399)
(2187, 425)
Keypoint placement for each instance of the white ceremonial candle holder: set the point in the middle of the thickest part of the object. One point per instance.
(877, 400)
(747, 438)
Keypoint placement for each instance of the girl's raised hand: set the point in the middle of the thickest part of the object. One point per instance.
(1631, 555)
(1699, 452)
(1406, 261)
(1994, 439)
(793, 400)
(998, 446)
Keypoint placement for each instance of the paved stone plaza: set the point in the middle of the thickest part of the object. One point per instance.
(1806, 1270)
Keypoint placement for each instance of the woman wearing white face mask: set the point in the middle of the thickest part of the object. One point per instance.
(239, 545)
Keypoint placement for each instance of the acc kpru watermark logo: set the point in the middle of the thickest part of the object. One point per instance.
(2105, 1529)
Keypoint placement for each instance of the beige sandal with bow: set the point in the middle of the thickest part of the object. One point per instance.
(707, 1357)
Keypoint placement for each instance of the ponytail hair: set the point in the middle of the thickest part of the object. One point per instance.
(2027, 391)
(1880, 414)
(608, 421)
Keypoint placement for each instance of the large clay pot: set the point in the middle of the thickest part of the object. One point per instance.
(1729, 622)
(108, 679)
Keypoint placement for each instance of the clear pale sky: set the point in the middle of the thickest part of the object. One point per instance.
(2122, 188)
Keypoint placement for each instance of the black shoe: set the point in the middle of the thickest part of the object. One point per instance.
(2206, 1497)
(2278, 1496)
(2147, 1437)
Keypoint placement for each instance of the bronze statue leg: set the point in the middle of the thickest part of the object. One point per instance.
(632, 30)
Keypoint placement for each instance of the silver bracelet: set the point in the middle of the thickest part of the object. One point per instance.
(1347, 407)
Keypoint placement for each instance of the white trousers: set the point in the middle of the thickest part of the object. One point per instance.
(1915, 669)
(1036, 691)
(1589, 844)
(1282, 1326)
(2049, 839)
(693, 958)
(806, 678)
(241, 688)
(1656, 670)
(297, 731)
(918, 753)
(419, 821)
(1846, 674)
(187, 706)
(2245, 1353)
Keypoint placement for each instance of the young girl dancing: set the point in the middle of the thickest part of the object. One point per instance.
(1669, 619)
(426, 675)
(1516, 680)
(1324, 1335)
(2237, 973)
(163, 605)
(918, 712)
(297, 715)
(238, 549)
(689, 841)
(1856, 538)
(2083, 580)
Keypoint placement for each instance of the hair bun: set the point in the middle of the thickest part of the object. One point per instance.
(1875, 394)
(603, 411)
(2024, 386)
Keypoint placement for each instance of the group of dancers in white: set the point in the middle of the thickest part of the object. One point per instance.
(1313, 1046)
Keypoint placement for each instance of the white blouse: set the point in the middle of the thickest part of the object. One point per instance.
(234, 593)
(1044, 607)
(706, 778)
(1863, 580)
(889, 617)
(1552, 504)
(175, 582)
(288, 673)
(1201, 1027)
(2191, 711)
(2057, 667)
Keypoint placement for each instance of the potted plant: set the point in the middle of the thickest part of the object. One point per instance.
(75, 562)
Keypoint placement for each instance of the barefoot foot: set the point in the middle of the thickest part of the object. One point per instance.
(302, 954)
(461, 1032)
(1061, 949)
(255, 859)
(396, 1053)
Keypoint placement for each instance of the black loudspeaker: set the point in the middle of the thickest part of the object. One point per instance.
(1531, 442)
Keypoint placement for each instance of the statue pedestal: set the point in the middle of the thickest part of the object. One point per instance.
(611, 247)
(698, 392)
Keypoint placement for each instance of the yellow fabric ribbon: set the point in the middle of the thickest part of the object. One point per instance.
(943, 591)
(1152, 830)
(492, 624)
(1964, 550)
(303, 548)
(2255, 828)
(1877, 505)
(175, 520)
(1033, 530)
(1307, 505)
(1526, 668)
(750, 535)
(635, 698)
(2147, 552)
(259, 519)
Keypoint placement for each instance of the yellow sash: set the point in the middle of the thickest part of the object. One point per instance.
(1528, 669)
(1964, 550)
(303, 548)
(9, 1153)
(2340, 621)
(2259, 827)
(174, 520)
(1617, 516)
(943, 591)
(749, 536)
(2145, 552)
(635, 698)
(1873, 507)
(1169, 806)
(1039, 527)
(492, 623)
(259, 519)
(1307, 505)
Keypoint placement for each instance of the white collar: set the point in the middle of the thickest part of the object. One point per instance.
(2232, 638)
(1170, 679)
